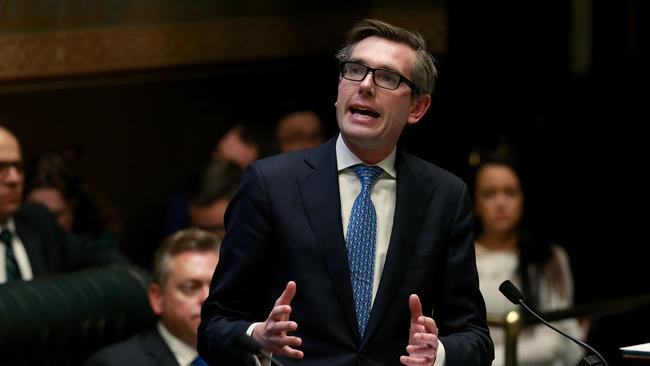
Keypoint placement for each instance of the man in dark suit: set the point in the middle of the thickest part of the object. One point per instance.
(344, 254)
(31, 242)
(183, 267)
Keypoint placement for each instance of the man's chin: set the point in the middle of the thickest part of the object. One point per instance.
(8, 210)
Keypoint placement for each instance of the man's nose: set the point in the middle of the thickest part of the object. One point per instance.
(367, 84)
(205, 291)
(13, 175)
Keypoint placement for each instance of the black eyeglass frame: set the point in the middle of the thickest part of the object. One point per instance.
(5, 165)
(402, 78)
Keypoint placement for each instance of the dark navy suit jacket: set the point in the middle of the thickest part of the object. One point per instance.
(51, 250)
(143, 349)
(285, 224)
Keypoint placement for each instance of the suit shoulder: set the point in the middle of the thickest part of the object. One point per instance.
(435, 173)
(32, 215)
(291, 163)
(134, 350)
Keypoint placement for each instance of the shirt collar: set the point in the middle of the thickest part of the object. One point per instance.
(345, 158)
(9, 225)
(184, 354)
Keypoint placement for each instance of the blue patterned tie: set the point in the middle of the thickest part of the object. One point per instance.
(11, 266)
(360, 243)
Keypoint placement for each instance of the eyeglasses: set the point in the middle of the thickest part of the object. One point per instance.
(383, 78)
(5, 167)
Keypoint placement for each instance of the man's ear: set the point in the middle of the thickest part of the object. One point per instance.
(419, 108)
(154, 291)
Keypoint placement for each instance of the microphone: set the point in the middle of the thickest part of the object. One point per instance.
(512, 293)
(250, 345)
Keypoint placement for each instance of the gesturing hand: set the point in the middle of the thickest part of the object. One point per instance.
(423, 337)
(272, 334)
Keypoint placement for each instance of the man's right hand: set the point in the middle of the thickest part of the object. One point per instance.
(272, 333)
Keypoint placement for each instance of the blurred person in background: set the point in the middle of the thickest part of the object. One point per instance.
(204, 204)
(54, 180)
(506, 249)
(183, 267)
(32, 243)
(299, 130)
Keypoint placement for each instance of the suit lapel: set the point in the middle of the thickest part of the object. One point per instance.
(412, 197)
(320, 194)
(155, 346)
(34, 245)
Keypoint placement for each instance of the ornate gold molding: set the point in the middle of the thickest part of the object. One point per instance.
(93, 51)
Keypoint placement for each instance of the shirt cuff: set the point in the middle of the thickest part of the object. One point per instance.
(259, 361)
(440, 356)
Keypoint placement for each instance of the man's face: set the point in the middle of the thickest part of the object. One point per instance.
(11, 178)
(178, 302)
(372, 118)
(232, 147)
(299, 130)
(210, 217)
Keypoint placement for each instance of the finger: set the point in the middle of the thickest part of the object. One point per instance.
(429, 324)
(427, 340)
(284, 326)
(416, 307)
(292, 353)
(287, 295)
(416, 361)
(281, 341)
(280, 313)
(421, 351)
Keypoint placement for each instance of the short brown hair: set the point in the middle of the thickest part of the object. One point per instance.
(424, 70)
(182, 241)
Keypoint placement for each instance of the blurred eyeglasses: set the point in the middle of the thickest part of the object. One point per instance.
(5, 167)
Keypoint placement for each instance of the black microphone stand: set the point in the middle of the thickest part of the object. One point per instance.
(594, 359)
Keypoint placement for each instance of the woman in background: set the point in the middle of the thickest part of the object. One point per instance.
(506, 250)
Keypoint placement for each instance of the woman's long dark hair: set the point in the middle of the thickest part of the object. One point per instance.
(535, 257)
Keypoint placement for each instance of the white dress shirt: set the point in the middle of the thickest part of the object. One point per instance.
(183, 353)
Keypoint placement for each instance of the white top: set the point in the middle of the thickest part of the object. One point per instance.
(19, 252)
(537, 345)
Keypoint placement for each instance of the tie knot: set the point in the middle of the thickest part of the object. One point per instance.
(5, 236)
(367, 174)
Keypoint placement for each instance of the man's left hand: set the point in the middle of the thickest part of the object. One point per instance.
(423, 337)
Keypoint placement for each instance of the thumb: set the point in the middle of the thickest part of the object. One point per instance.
(416, 307)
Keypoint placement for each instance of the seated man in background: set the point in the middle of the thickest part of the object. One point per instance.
(299, 130)
(244, 143)
(183, 267)
(31, 242)
(204, 204)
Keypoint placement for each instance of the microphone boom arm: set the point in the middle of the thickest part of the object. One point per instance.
(586, 361)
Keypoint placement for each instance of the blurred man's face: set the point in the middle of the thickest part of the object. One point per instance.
(232, 147)
(210, 217)
(54, 201)
(11, 175)
(178, 302)
(299, 130)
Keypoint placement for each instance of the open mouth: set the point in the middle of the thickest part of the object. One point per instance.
(364, 112)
